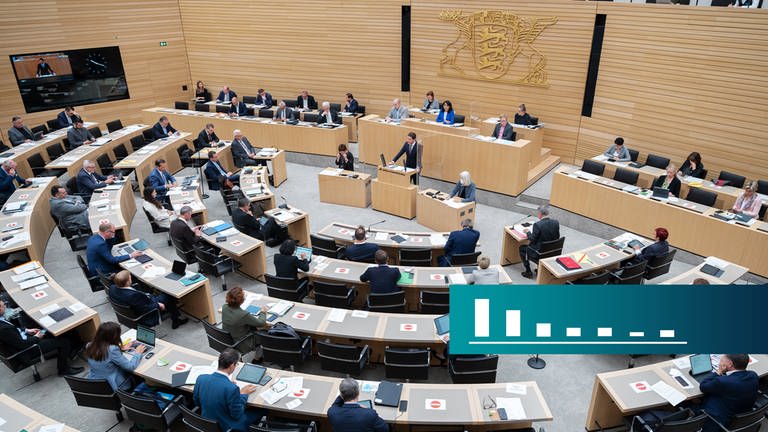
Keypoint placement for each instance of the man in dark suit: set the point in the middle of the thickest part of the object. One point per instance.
(546, 229)
(18, 339)
(412, 151)
(222, 400)
(503, 129)
(346, 415)
(264, 98)
(161, 179)
(306, 101)
(19, 133)
(163, 128)
(327, 115)
(283, 113)
(140, 302)
(383, 278)
(9, 180)
(237, 108)
(729, 391)
(207, 137)
(360, 250)
(98, 252)
(243, 219)
(460, 242)
(243, 153)
(214, 172)
(351, 106)
(79, 135)
(225, 95)
(66, 118)
(88, 179)
(180, 231)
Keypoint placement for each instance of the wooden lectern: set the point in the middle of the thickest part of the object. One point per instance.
(392, 192)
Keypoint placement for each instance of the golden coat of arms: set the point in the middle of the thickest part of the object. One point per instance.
(494, 45)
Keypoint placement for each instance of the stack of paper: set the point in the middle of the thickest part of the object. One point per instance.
(437, 239)
(513, 407)
(337, 315)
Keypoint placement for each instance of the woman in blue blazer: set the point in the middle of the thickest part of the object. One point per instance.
(446, 114)
(465, 188)
(106, 358)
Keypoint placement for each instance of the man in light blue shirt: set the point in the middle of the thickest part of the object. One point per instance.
(397, 113)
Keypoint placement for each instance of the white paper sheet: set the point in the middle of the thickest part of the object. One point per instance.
(50, 308)
(437, 239)
(519, 389)
(381, 236)
(337, 315)
(513, 407)
(32, 282)
(52, 428)
(76, 307)
(26, 267)
(457, 278)
(47, 321)
(669, 393)
(359, 314)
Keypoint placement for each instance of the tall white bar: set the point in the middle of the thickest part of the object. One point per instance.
(513, 323)
(482, 318)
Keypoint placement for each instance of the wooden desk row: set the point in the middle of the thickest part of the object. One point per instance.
(114, 204)
(142, 161)
(15, 416)
(30, 229)
(690, 225)
(274, 157)
(462, 404)
(731, 273)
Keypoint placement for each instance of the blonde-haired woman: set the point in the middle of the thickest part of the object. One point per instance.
(464, 190)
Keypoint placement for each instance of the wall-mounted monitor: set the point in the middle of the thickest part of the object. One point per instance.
(56, 79)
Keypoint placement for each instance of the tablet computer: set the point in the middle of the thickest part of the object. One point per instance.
(251, 373)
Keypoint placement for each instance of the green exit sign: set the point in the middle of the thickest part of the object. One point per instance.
(163, 43)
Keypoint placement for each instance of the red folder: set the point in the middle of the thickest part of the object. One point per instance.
(568, 263)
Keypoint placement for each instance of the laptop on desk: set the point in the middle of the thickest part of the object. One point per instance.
(701, 366)
(660, 193)
(144, 337)
(178, 270)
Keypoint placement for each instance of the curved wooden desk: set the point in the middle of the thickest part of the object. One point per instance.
(246, 250)
(114, 204)
(32, 227)
(189, 195)
(19, 417)
(142, 161)
(254, 183)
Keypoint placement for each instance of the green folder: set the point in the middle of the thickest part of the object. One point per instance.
(405, 278)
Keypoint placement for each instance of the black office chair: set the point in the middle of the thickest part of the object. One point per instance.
(458, 118)
(406, 363)
(93, 281)
(701, 196)
(156, 229)
(347, 359)
(249, 100)
(734, 180)
(266, 425)
(37, 165)
(4, 147)
(67, 144)
(393, 302)
(593, 167)
(626, 176)
(54, 151)
(467, 259)
(188, 256)
(201, 107)
(681, 421)
(222, 109)
(120, 152)
(324, 246)
(39, 128)
(72, 189)
(149, 135)
(106, 165)
(127, 317)
(659, 265)
(762, 187)
(185, 156)
(633, 155)
(548, 249)
(93, 393)
(266, 113)
(415, 257)
(534, 121)
(210, 261)
(473, 369)
(179, 105)
(194, 422)
(53, 124)
(285, 351)
(290, 103)
(19, 360)
(433, 302)
(147, 413)
(657, 161)
(95, 131)
(220, 339)
(600, 278)
(76, 237)
(311, 118)
(749, 421)
(114, 125)
(334, 295)
(138, 142)
(361, 109)
(630, 274)
(287, 289)
(335, 107)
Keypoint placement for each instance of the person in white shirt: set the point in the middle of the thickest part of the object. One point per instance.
(397, 113)
(154, 207)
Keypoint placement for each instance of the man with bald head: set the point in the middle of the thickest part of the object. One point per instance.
(99, 251)
(327, 115)
(88, 179)
(243, 153)
(397, 113)
(226, 95)
(283, 113)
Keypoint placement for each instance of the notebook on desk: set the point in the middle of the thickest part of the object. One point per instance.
(388, 394)
(711, 270)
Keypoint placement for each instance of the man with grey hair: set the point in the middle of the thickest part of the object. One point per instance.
(88, 179)
(347, 415)
(327, 115)
(545, 230)
(243, 152)
(10, 180)
(181, 232)
(18, 133)
(397, 113)
(283, 113)
(462, 241)
(70, 211)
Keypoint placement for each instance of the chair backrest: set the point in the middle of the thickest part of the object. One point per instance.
(335, 106)
(249, 99)
(323, 246)
(361, 109)
(266, 425)
(71, 185)
(593, 167)
(744, 422)
(701, 196)
(467, 259)
(285, 351)
(416, 254)
(600, 278)
(137, 142)
(120, 151)
(39, 128)
(36, 161)
(433, 302)
(657, 161)
(386, 299)
(197, 423)
(218, 338)
(632, 274)
(142, 410)
(93, 281)
(534, 120)
(266, 113)
(659, 265)
(115, 125)
(334, 295)
(551, 248)
(633, 155)
(201, 107)
(473, 369)
(290, 103)
(406, 363)
(153, 224)
(54, 150)
(188, 256)
(693, 424)
(283, 288)
(53, 124)
(181, 105)
(338, 351)
(626, 176)
(734, 180)
(95, 131)
(762, 187)
(342, 358)
(311, 118)
(93, 393)
(222, 109)
(104, 162)
(125, 315)
(458, 118)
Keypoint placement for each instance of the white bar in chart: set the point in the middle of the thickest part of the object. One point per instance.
(482, 317)
(573, 332)
(604, 332)
(513, 323)
(543, 329)
(636, 334)
(666, 333)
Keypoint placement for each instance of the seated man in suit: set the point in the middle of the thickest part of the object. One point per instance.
(222, 400)
(71, 211)
(66, 118)
(243, 219)
(327, 115)
(729, 391)
(225, 95)
(462, 241)
(182, 233)
(163, 128)
(383, 278)
(242, 151)
(283, 113)
(544, 230)
(503, 129)
(161, 179)
(99, 252)
(397, 113)
(19, 339)
(412, 150)
(237, 108)
(10, 180)
(18, 133)
(140, 302)
(78, 135)
(214, 172)
(657, 249)
(359, 250)
(351, 106)
(264, 98)
(346, 415)
(88, 179)
(306, 101)
(207, 137)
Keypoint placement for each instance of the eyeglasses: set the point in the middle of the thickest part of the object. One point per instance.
(488, 402)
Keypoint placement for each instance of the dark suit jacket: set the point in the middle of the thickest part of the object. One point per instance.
(86, 183)
(205, 94)
(543, 231)
(219, 399)
(412, 158)
(290, 114)
(139, 302)
(674, 186)
(334, 117)
(157, 130)
(461, 242)
(19, 136)
(239, 109)
(288, 266)
(239, 154)
(655, 250)
(352, 107)
(728, 395)
(266, 100)
(383, 279)
(524, 119)
(310, 102)
(509, 133)
(10, 337)
(686, 169)
(214, 175)
(220, 97)
(158, 179)
(7, 188)
(361, 252)
(61, 119)
(247, 223)
(182, 233)
(203, 139)
(349, 165)
(99, 255)
(351, 417)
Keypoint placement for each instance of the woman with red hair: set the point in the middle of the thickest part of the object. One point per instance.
(655, 250)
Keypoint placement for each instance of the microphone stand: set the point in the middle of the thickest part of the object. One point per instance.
(377, 223)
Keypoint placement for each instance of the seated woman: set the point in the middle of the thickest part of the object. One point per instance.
(154, 207)
(484, 275)
(655, 250)
(239, 322)
(446, 115)
(693, 166)
(106, 359)
(669, 181)
(287, 265)
(749, 201)
(464, 190)
(618, 151)
(345, 159)
(201, 93)
(522, 117)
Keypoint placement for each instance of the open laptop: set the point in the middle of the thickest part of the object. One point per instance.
(178, 270)
(441, 325)
(701, 366)
(145, 337)
(302, 249)
(660, 193)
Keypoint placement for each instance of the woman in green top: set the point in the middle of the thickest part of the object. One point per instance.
(239, 322)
